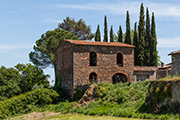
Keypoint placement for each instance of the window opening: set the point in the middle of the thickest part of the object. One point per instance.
(119, 59)
(93, 59)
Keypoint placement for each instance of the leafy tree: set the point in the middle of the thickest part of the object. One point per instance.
(30, 76)
(111, 34)
(97, 35)
(153, 45)
(128, 37)
(105, 30)
(79, 28)
(141, 31)
(44, 50)
(9, 83)
(147, 39)
(135, 43)
(120, 36)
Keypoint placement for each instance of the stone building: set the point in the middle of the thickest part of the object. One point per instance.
(79, 63)
(175, 62)
(82, 62)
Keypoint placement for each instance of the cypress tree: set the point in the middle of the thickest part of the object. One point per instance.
(128, 37)
(111, 34)
(153, 45)
(97, 35)
(141, 42)
(120, 37)
(147, 40)
(105, 30)
(135, 43)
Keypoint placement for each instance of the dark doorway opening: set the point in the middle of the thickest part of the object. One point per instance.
(93, 77)
(119, 77)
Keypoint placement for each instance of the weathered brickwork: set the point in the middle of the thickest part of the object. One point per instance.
(73, 63)
(176, 64)
(106, 63)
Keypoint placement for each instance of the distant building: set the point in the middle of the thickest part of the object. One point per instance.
(82, 62)
(175, 62)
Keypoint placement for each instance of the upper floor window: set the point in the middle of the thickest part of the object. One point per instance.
(93, 59)
(119, 59)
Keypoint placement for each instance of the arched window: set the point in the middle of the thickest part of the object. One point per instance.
(119, 77)
(119, 59)
(93, 77)
(93, 59)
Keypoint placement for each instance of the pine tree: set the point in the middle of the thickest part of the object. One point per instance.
(128, 37)
(153, 45)
(97, 35)
(135, 43)
(141, 44)
(105, 30)
(147, 40)
(111, 34)
(120, 37)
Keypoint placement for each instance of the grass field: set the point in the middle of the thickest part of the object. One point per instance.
(69, 116)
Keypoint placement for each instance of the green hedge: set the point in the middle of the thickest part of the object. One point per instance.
(26, 102)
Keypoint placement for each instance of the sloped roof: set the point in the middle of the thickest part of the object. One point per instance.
(175, 52)
(115, 44)
(145, 68)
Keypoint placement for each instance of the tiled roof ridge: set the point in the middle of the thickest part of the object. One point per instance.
(175, 52)
(82, 42)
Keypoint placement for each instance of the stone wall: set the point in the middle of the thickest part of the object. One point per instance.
(106, 63)
(64, 67)
(176, 64)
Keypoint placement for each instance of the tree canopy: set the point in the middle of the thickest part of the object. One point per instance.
(44, 50)
(20, 79)
(79, 28)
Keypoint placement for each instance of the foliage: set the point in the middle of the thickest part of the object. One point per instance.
(30, 76)
(27, 102)
(148, 40)
(120, 36)
(135, 43)
(141, 43)
(79, 28)
(153, 50)
(105, 30)
(98, 35)
(44, 50)
(128, 37)
(111, 34)
(9, 83)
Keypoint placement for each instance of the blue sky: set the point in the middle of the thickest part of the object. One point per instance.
(22, 22)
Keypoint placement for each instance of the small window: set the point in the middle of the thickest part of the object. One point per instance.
(93, 59)
(119, 59)
(93, 77)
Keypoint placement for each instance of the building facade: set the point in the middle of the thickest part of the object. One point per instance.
(175, 62)
(79, 63)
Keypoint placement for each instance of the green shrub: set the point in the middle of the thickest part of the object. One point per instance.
(27, 102)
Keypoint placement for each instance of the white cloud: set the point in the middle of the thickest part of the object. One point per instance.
(160, 9)
(7, 47)
(50, 20)
(169, 43)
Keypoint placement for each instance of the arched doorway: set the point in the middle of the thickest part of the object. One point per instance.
(119, 77)
(93, 77)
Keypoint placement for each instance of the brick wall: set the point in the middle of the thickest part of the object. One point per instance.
(64, 67)
(106, 63)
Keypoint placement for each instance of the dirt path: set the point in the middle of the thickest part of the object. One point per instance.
(36, 116)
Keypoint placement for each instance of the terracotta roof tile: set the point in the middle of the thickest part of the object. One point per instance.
(175, 52)
(144, 68)
(117, 44)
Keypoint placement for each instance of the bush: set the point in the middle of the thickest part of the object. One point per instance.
(27, 102)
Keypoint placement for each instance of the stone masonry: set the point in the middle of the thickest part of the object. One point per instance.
(175, 62)
(73, 62)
